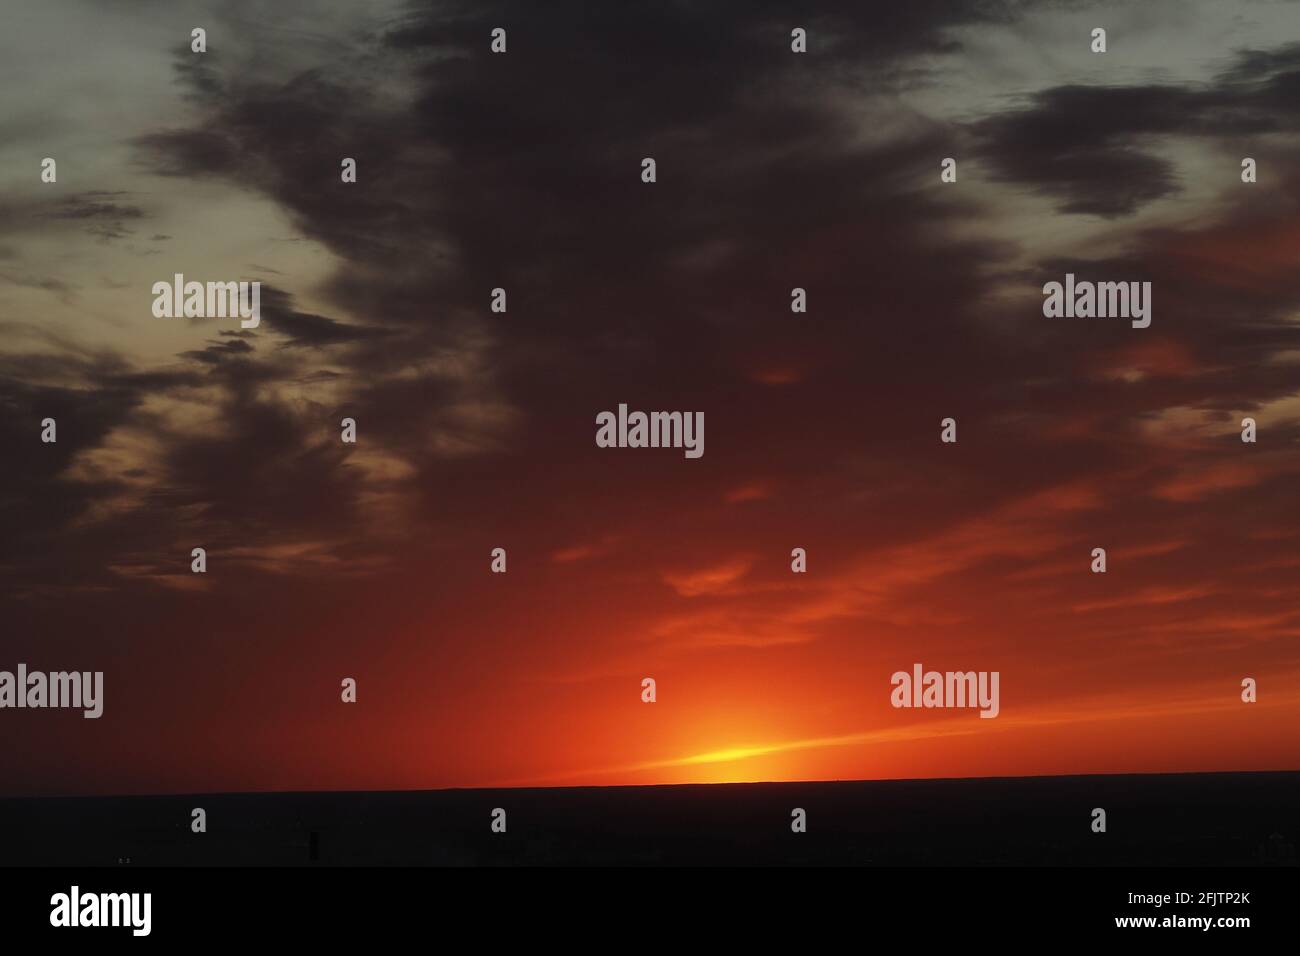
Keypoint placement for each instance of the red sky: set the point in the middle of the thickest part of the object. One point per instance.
(822, 429)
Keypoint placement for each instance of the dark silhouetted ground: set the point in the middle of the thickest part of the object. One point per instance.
(1152, 820)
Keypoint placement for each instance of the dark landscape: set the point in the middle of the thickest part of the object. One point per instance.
(1220, 819)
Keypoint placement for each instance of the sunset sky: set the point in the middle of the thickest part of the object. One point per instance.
(476, 430)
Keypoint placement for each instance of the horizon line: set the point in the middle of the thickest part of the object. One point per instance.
(636, 786)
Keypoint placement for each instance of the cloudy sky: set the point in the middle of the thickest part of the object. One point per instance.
(476, 429)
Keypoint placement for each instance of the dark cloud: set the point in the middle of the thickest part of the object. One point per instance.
(45, 283)
(1100, 149)
(305, 329)
(220, 351)
(189, 153)
(467, 185)
(523, 172)
(102, 213)
(37, 502)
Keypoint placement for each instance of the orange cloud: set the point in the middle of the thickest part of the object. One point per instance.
(709, 580)
(1193, 485)
(751, 491)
